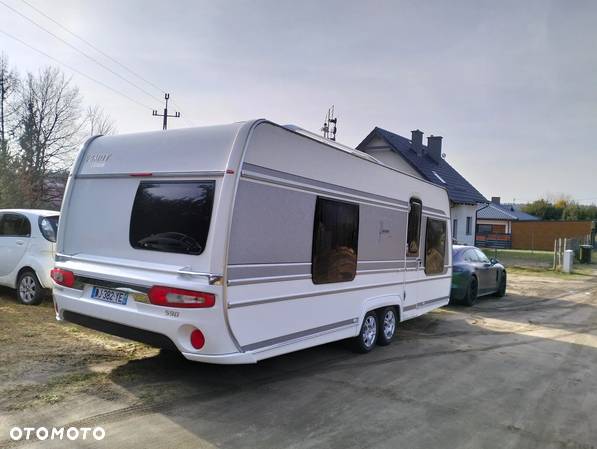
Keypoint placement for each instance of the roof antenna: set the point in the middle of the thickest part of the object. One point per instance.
(329, 125)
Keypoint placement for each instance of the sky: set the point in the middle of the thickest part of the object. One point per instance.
(511, 86)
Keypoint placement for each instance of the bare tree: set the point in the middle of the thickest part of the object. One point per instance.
(99, 122)
(48, 129)
(9, 82)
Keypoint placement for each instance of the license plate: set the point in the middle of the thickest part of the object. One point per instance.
(108, 295)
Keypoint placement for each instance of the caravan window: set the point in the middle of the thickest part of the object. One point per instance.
(414, 227)
(335, 241)
(435, 246)
(172, 216)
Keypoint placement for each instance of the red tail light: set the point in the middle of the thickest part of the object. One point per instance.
(175, 297)
(63, 277)
(197, 339)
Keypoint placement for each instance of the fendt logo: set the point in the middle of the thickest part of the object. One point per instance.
(97, 159)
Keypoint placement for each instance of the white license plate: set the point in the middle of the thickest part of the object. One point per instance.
(108, 295)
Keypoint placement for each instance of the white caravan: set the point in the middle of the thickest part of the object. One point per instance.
(240, 242)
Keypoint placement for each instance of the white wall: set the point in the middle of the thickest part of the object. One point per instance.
(460, 212)
(389, 157)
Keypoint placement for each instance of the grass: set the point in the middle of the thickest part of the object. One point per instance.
(539, 263)
(521, 258)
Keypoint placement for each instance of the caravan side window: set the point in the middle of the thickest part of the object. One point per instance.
(435, 246)
(335, 241)
(414, 227)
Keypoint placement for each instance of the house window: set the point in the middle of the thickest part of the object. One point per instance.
(469, 225)
(335, 241)
(484, 228)
(435, 246)
(414, 227)
(455, 228)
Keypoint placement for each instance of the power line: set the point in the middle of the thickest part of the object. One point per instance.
(78, 50)
(75, 70)
(82, 39)
(103, 53)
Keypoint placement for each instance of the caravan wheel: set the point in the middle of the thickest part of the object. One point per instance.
(365, 341)
(387, 325)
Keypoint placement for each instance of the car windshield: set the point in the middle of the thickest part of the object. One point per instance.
(49, 227)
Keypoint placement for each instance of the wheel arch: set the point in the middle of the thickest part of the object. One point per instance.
(23, 270)
(378, 302)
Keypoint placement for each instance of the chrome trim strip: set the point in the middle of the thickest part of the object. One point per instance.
(269, 300)
(212, 277)
(297, 336)
(425, 303)
(153, 174)
(111, 284)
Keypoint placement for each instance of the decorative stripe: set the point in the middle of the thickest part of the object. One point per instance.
(299, 335)
(329, 292)
(425, 303)
(275, 176)
(236, 272)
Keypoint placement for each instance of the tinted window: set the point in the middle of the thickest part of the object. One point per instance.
(435, 246)
(481, 256)
(172, 217)
(335, 241)
(414, 227)
(470, 256)
(14, 225)
(469, 225)
(454, 228)
(49, 227)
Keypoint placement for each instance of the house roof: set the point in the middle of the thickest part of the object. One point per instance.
(495, 211)
(440, 173)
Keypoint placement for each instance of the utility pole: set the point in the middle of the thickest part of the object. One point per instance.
(329, 126)
(165, 114)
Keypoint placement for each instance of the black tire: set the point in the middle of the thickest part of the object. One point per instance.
(29, 290)
(501, 292)
(387, 321)
(365, 341)
(471, 292)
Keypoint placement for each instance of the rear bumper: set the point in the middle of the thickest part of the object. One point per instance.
(149, 324)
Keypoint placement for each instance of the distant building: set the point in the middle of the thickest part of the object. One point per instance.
(427, 162)
(494, 223)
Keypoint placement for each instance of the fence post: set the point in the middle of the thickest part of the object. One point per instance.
(555, 247)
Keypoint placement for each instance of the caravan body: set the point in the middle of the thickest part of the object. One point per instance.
(240, 242)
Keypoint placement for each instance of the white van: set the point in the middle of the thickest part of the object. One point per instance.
(240, 242)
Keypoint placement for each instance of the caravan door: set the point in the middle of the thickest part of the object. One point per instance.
(413, 272)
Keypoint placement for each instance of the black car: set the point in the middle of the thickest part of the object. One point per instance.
(474, 275)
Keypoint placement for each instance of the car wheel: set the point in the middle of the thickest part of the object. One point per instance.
(471, 293)
(388, 321)
(29, 290)
(365, 341)
(502, 289)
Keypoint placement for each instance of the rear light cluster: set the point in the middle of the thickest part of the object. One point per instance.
(175, 297)
(63, 277)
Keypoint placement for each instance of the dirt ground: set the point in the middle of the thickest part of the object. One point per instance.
(516, 372)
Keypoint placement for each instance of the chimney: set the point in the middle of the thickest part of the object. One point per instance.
(434, 147)
(495, 199)
(417, 142)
